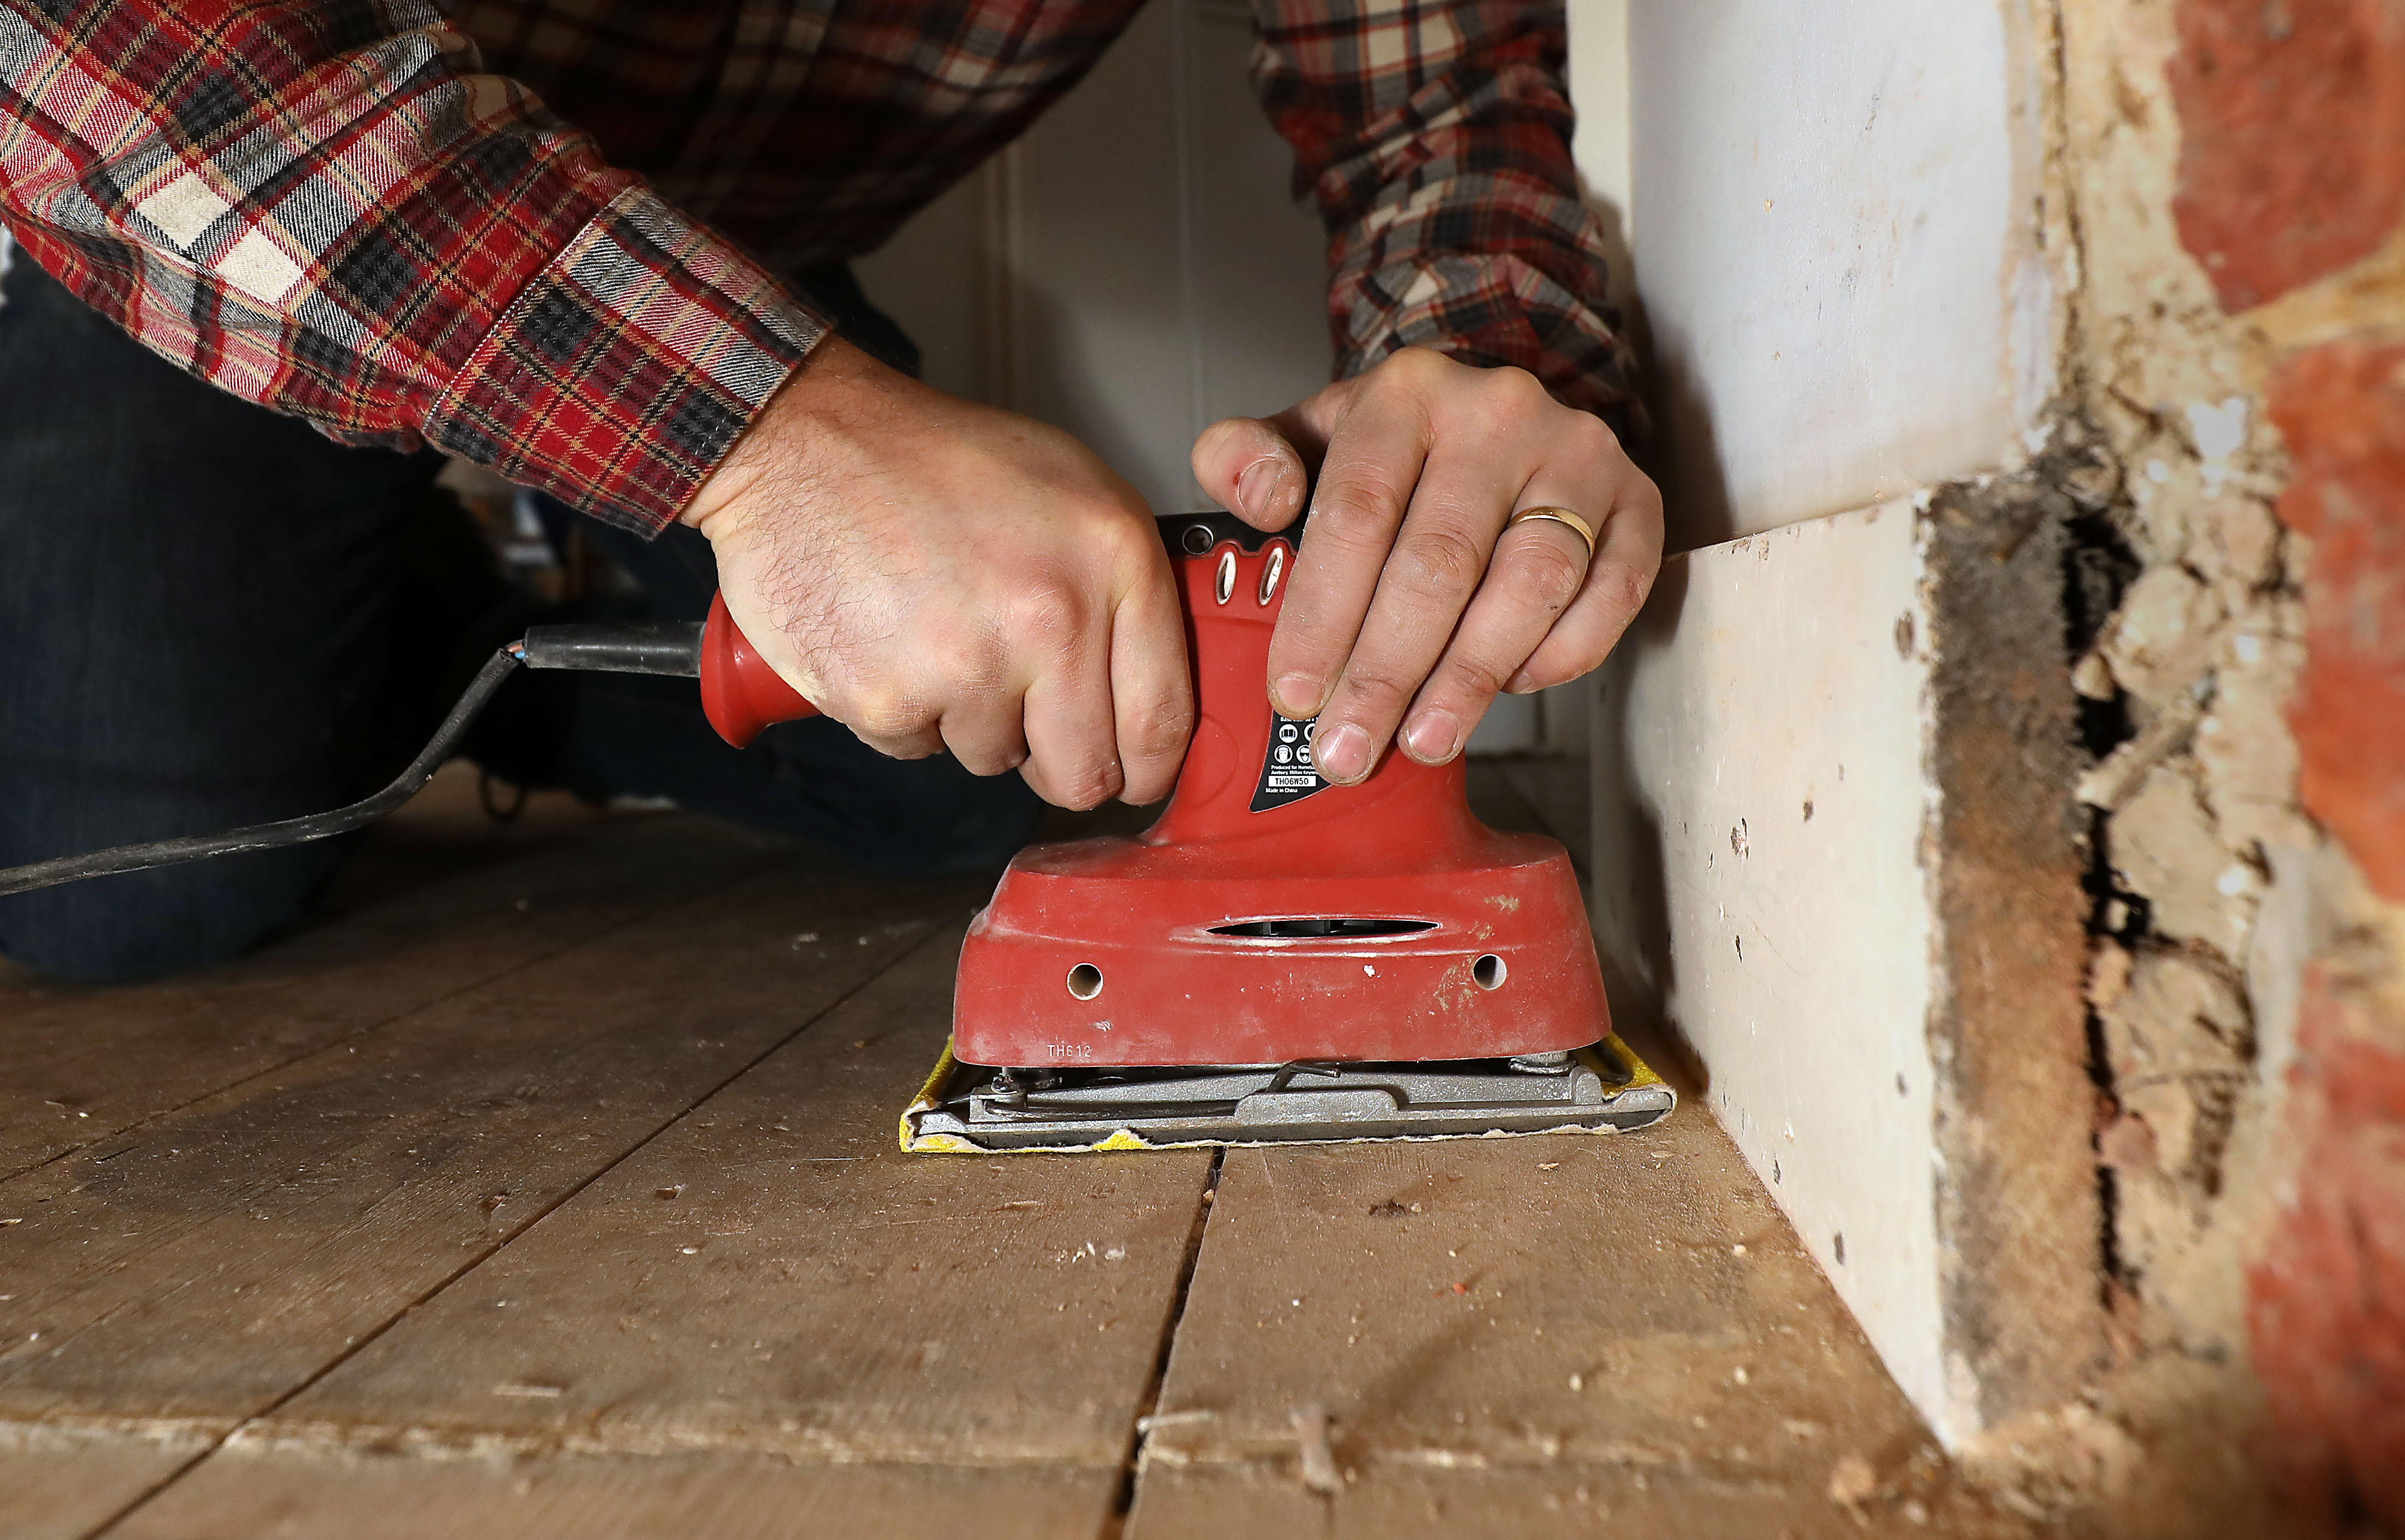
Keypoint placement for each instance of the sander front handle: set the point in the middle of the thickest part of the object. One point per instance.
(740, 694)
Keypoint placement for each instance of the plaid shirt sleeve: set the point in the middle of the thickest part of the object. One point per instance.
(1434, 136)
(329, 209)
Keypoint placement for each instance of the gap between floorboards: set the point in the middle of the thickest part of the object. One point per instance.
(1114, 1523)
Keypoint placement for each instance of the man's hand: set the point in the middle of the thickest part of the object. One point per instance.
(1412, 604)
(936, 574)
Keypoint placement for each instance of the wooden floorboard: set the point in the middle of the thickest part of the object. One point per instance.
(204, 1267)
(1269, 1503)
(62, 1482)
(706, 1494)
(775, 1274)
(603, 1232)
(86, 1064)
(770, 1277)
(1584, 1310)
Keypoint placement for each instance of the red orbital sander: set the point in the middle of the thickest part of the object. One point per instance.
(1277, 959)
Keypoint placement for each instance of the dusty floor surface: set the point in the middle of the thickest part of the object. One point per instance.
(551, 1188)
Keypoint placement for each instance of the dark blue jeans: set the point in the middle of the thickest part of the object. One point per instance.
(203, 623)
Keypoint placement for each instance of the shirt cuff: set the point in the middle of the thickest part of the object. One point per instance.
(626, 370)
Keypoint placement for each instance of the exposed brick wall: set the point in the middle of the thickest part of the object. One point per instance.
(2263, 205)
(2292, 173)
(2341, 409)
(2328, 1297)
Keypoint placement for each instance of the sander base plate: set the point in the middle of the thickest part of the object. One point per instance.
(969, 1108)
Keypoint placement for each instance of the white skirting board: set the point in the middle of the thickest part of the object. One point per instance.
(1799, 790)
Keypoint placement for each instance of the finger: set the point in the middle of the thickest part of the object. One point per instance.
(1438, 562)
(1072, 738)
(1627, 555)
(1152, 689)
(1536, 572)
(987, 733)
(1247, 464)
(919, 713)
(900, 743)
(1366, 482)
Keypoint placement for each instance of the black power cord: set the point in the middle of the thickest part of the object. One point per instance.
(654, 646)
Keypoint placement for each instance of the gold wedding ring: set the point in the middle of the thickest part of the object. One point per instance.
(1562, 516)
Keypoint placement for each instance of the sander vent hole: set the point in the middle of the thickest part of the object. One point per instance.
(1318, 926)
(1085, 981)
(1488, 971)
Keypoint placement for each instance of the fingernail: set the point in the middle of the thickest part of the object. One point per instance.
(1297, 695)
(1253, 488)
(1343, 755)
(1432, 736)
(1520, 683)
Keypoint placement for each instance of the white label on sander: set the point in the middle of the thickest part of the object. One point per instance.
(1287, 774)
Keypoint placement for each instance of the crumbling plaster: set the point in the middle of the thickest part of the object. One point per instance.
(2190, 669)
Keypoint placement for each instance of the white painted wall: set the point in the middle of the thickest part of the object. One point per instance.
(1834, 240)
(1598, 72)
(1133, 270)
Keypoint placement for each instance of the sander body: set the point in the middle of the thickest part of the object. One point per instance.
(1279, 958)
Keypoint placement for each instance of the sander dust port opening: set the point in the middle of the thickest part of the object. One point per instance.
(1320, 928)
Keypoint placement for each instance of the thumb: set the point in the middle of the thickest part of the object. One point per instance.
(1247, 464)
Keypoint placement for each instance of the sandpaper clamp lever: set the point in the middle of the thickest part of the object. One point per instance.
(740, 694)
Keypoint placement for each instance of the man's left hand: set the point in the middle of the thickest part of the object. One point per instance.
(1413, 604)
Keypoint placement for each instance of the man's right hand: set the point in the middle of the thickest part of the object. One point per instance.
(936, 574)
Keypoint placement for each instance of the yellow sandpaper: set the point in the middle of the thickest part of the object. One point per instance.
(931, 1095)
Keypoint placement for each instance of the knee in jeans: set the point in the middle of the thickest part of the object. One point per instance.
(145, 925)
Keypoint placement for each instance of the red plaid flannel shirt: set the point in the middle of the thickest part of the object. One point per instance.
(543, 234)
